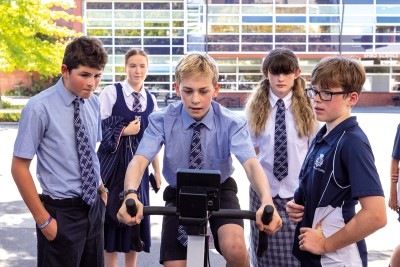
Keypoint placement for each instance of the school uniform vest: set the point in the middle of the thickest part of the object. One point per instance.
(114, 145)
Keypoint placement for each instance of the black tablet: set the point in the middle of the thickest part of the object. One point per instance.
(198, 186)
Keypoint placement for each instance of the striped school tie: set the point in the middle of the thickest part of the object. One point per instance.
(84, 156)
(280, 148)
(195, 162)
(137, 107)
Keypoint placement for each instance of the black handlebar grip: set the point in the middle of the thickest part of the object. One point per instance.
(135, 232)
(131, 207)
(266, 218)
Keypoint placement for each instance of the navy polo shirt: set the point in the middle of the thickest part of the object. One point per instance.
(338, 169)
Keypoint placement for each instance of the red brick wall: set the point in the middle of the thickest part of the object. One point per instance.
(376, 99)
(9, 80)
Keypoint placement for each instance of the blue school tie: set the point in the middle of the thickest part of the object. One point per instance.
(137, 107)
(195, 154)
(84, 156)
(195, 162)
(280, 147)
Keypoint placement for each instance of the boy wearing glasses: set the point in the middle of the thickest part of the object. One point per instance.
(338, 173)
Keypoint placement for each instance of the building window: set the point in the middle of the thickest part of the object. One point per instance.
(98, 5)
(228, 28)
(290, 19)
(257, 19)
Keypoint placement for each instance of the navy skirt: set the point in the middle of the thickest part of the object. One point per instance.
(117, 236)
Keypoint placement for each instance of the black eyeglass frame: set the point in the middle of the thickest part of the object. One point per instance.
(316, 92)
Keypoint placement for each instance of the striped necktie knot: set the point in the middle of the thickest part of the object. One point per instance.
(137, 106)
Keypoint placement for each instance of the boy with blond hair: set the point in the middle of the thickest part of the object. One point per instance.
(222, 132)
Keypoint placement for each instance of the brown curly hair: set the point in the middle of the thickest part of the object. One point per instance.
(85, 51)
(258, 107)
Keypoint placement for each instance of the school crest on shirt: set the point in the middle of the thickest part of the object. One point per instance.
(318, 163)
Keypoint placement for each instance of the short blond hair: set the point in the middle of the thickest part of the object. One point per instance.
(196, 64)
(339, 71)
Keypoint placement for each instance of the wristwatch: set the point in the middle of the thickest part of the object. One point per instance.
(123, 194)
(101, 191)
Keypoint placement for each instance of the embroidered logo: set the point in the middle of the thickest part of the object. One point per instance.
(318, 163)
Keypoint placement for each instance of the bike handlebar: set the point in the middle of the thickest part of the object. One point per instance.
(222, 213)
(171, 211)
(266, 218)
(131, 207)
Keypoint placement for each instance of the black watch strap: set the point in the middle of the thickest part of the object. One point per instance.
(123, 194)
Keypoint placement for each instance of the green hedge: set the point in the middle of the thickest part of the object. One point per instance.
(8, 105)
(10, 117)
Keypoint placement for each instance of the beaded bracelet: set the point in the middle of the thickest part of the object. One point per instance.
(45, 223)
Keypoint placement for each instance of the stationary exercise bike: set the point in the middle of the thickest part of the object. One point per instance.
(197, 201)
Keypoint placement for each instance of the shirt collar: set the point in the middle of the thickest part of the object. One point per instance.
(128, 90)
(337, 131)
(207, 120)
(66, 96)
(287, 99)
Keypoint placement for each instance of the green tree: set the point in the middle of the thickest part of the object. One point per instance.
(30, 38)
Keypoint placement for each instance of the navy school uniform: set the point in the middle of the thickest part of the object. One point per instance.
(115, 152)
(338, 169)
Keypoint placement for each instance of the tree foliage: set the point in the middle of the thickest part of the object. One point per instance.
(30, 39)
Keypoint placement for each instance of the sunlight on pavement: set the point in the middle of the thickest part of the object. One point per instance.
(4, 255)
(14, 219)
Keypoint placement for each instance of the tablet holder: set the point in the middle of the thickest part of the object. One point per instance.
(198, 193)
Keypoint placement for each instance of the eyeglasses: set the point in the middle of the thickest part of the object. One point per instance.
(323, 95)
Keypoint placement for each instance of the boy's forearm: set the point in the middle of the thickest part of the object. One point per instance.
(135, 172)
(394, 178)
(156, 164)
(258, 180)
(369, 219)
(394, 170)
(26, 186)
(393, 190)
(393, 186)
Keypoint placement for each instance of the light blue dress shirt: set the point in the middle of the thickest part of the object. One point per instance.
(224, 132)
(46, 129)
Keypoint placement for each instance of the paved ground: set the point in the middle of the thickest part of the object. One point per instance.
(17, 232)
